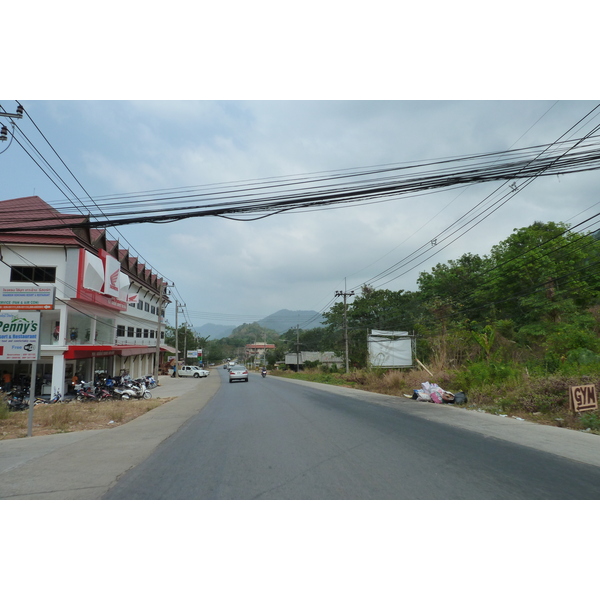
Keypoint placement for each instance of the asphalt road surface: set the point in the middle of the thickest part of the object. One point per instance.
(274, 439)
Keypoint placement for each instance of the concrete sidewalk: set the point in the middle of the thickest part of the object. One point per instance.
(84, 465)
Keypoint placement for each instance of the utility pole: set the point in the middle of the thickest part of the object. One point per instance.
(163, 286)
(4, 129)
(345, 295)
(176, 339)
(297, 348)
(177, 306)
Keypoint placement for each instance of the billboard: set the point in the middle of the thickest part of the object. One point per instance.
(390, 349)
(19, 335)
(18, 297)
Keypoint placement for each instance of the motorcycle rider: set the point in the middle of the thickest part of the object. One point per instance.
(264, 371)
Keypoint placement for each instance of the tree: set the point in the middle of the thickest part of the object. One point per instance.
(542, 273)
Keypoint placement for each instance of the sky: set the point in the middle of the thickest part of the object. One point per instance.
(231, 272)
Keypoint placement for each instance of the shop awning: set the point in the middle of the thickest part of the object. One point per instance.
(92, 351)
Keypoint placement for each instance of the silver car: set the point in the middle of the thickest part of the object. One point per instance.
(238, 372)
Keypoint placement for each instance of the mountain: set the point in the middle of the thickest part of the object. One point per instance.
(280, 322)
(216, 332)
(284, 319)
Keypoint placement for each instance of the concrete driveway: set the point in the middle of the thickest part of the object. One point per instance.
(84, 465)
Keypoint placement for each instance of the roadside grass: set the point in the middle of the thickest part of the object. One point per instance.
(539, 399)
(74, 416)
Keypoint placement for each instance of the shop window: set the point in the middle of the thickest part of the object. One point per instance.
(30, 274)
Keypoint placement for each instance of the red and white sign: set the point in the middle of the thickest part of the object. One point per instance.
(96, 276)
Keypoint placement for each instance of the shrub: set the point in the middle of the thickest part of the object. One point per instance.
(4, 412)
(481, 374)
(590, 420)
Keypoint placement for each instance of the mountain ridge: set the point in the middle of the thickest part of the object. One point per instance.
(280, 321)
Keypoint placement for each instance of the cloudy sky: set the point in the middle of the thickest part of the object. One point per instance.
(231, 272)
(249, 93)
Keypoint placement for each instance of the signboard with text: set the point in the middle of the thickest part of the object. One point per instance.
(18, 297)
(583, 398)
(19, 335)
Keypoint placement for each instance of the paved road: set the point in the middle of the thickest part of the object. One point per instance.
(274, 439)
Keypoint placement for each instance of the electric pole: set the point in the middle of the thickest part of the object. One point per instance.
(297, 348)
(177, 306)
(163, 286)
(345, 295)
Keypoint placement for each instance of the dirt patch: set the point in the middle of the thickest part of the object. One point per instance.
(49, 419)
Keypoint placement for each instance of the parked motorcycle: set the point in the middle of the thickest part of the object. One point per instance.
(18, 399)
(135, 389)
(85, 393)
(150, 382)
(103, 393)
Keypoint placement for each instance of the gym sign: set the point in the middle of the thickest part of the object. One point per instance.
(19, 335)
(583, 398)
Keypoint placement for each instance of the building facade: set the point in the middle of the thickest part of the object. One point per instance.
(256, 354)
(105, 319)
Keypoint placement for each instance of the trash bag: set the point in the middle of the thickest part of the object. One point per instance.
(460, 398)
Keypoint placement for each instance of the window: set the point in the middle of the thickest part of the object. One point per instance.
(152, 332)
(138, 332)
(145, 333)
(146, 307)
(130, 332)
(162, 335)
(120, 330)
(31, 274)
(153, 309)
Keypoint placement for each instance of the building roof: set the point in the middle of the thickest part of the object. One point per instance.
(24, 214)
(20, 217)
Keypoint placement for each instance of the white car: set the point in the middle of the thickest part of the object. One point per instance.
(190, 371)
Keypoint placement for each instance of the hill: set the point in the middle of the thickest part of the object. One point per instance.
(279, 322)
(284, 319)
(216, 332)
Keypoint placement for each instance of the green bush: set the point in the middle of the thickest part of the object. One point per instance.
(4, 412)
(483, 373)
(590, 420)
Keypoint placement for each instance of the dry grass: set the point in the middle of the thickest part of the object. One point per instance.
(75, 416)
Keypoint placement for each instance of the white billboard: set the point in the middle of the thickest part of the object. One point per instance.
(390, 349)
(19, 335)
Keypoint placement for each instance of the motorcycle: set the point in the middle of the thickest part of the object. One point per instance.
(150, 382)
(103, 393)
(85, 393)
(18, 399)
(136, 389)
(264, 372)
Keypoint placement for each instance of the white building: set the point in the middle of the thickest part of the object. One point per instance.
(108, 304)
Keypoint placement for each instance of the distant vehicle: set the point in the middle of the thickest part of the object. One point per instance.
(191, 371)
(238, 373)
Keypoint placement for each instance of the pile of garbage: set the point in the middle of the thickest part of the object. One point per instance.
(432, 392)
